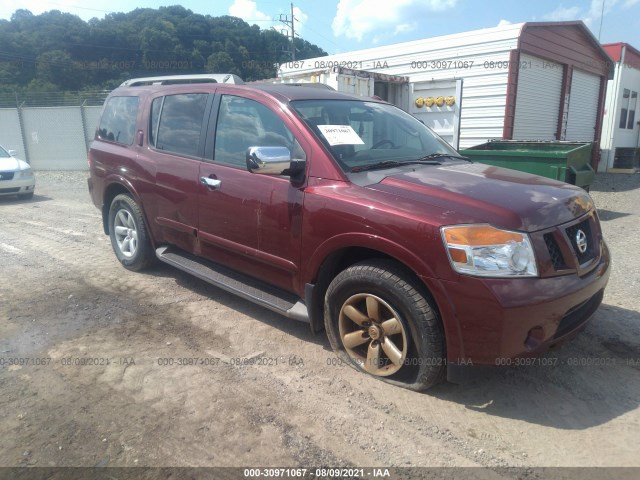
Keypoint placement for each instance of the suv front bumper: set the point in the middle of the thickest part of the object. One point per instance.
(491, 321)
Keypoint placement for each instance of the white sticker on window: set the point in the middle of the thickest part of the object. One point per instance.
(340, 135)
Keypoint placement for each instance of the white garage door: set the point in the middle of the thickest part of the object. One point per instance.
(583, 106)
(537, 99)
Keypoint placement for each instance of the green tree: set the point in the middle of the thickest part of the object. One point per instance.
(57, 67)
(221, 62)
(60, 50)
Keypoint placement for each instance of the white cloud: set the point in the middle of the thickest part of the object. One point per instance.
(357, 18)
(562, 13)
(404, 28)
(590, 16)
(301, 18)
(248, 11)
(593, 15)
(503, 23)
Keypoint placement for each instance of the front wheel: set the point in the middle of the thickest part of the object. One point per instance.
(128, 233)
(380, 322)
(26, 196)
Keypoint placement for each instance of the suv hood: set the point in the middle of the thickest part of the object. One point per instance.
(474, 192)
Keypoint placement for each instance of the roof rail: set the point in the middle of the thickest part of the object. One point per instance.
(176, 79)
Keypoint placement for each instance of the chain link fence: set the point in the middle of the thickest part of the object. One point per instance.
(53, 99)
(51, 131)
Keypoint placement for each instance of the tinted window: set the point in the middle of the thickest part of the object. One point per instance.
(244, 123)
(118, 122)
(176, 122)
(359, 133)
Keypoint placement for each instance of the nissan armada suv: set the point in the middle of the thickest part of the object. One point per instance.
(349, 214)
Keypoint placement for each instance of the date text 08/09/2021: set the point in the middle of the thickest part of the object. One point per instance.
(325, 472)
(424, 64)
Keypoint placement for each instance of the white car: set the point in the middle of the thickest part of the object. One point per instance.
(16, 176)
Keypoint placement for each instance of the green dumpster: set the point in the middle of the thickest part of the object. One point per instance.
(565, 161)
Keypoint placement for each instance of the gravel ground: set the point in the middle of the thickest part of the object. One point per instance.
(101, 382)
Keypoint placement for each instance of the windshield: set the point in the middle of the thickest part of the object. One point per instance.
(361, 134)
(4, 153)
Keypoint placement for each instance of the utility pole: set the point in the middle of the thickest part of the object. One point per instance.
(293, 34)
(601, 20)
(290, 21)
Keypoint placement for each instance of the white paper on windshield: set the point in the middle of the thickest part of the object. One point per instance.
(340, 135)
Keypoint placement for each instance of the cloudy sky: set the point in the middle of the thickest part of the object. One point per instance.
(345, 25)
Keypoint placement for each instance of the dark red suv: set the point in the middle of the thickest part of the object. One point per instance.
(351, 215)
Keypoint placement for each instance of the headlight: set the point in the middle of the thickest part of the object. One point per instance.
(489, 252)
(27, 172)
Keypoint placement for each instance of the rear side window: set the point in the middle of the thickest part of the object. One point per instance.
(176, 122)
(118, 122)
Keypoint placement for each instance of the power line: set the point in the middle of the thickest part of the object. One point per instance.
(307, 27)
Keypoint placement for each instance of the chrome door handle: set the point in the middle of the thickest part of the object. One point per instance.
(210, 183)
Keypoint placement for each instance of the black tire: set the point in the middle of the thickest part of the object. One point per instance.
(384, 289)
(126, 224)
(26, 196)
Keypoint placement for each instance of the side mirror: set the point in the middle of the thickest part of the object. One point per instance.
(13, 153)
(273, 161)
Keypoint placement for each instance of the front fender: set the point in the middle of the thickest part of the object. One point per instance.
(411, 261)
(372, 242)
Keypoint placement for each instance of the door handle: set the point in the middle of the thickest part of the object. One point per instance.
(210, 183)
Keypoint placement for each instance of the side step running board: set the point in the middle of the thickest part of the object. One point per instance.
(246, 287)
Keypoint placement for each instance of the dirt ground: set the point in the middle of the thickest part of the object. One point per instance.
(97, 369)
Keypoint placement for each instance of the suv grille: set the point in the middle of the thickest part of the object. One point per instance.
(575, 247)
(573, 233)
(554, 251)
(6, 175)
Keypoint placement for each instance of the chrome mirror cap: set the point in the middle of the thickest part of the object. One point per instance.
(269, 160)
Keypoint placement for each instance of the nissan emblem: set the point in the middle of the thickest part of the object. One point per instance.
(581, 241)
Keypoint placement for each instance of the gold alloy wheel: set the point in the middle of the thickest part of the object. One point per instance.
(372, 334)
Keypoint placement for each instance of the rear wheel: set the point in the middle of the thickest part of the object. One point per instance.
(378, 320)
(128, 233)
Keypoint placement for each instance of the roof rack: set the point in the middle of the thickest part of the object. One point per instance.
(280, 81)
(177, 79)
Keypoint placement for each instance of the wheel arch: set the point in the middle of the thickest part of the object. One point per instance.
(117, 185)
(337, 255)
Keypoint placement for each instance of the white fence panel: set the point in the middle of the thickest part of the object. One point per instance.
(55, 138)
(11, 133)
(50, 138)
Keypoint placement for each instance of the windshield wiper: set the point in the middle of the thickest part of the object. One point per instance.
(440, 155)
(394, 163)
